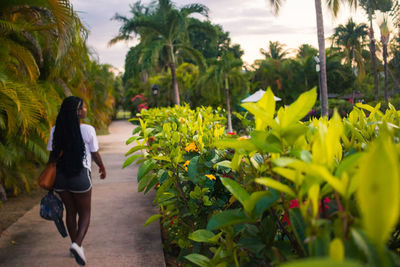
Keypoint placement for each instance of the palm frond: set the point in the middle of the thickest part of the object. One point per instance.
(24, 56)
(195, 54)
(195, 8)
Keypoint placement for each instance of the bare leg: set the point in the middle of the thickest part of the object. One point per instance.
(71, 212)
(83, 207)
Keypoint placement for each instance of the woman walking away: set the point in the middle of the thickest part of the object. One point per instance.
(73, 145)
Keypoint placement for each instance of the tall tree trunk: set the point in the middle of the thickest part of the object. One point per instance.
(3, 195)
(322, 58)
(228, 105)
(385, 68)
(173, 75)
(373, 56)
(144, 76)
(395, 80)
(64, 86)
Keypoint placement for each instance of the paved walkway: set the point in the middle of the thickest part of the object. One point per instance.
(116, 236)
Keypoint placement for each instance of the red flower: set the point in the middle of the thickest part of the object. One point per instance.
(294, 203)
(231, 133)
(285, 219)
(326, 201)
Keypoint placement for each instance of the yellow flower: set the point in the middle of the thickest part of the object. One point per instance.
(186, 164)
(242, 138)
(211, 177)
(181, 120)
(191, 147)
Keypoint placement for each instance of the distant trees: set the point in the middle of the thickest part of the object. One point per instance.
(351, 38)
(163, 31)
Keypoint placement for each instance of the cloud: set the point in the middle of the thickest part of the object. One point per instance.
(250, 24)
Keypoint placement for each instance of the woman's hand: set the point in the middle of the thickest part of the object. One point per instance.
(96, 157)
(102, 171)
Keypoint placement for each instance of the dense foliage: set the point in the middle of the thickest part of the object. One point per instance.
(43, 58)
(324, 188)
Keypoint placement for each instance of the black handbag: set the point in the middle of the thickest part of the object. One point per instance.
(51, 208)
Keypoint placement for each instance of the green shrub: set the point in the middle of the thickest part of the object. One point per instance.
(327, 189)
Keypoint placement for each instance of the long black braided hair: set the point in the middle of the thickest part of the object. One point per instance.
(67, 137)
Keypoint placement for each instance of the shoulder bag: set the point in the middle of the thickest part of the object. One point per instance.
(48, 176)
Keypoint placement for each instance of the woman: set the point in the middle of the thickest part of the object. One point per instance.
(73, 145)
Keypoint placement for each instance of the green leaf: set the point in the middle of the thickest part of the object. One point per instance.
(298, 225)
(300, 108)
(319, 262)
(199, 259)
(336, 250)
(365, 246)
(260, 201)
(263, 118)
(236, 160)
(286, 173)
(131, 139)
(378, 190)
(347, 163)
(236, 189)
(136, 130)
(276, 185)
(151, 184)
(313, 194)
(134, 149)
(130, 160)
(283, 161)
(304, 155)
(192, 169)
(246, 144)
(201, 235)
(293, 132)
(225, 163)
(267, 102)
(266, 142)
(152, 218)
(145, 168)
(227, 217)
(144, 181)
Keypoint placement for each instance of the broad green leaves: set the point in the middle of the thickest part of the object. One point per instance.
(236, 189)
(299, 109)
(379, 190)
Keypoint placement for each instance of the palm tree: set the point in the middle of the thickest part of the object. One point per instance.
(352, 38)
(222, 73)
(370, 6)
(385, 36)
(334, 6)
(275, 51)
(164, 28)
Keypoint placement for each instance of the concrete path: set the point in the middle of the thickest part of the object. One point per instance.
(116, 236)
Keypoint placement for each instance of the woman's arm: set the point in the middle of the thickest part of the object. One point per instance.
(52, 157)
(97, 158)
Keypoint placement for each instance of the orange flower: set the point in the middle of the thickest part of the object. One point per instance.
(211, 177)
(242, 138)
(191, 147)
(186, 164)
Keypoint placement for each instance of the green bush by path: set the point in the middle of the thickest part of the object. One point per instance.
(326, 190)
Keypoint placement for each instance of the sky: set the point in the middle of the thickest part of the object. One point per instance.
(251, 23)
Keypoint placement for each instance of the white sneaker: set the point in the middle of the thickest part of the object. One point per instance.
(77, 251)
